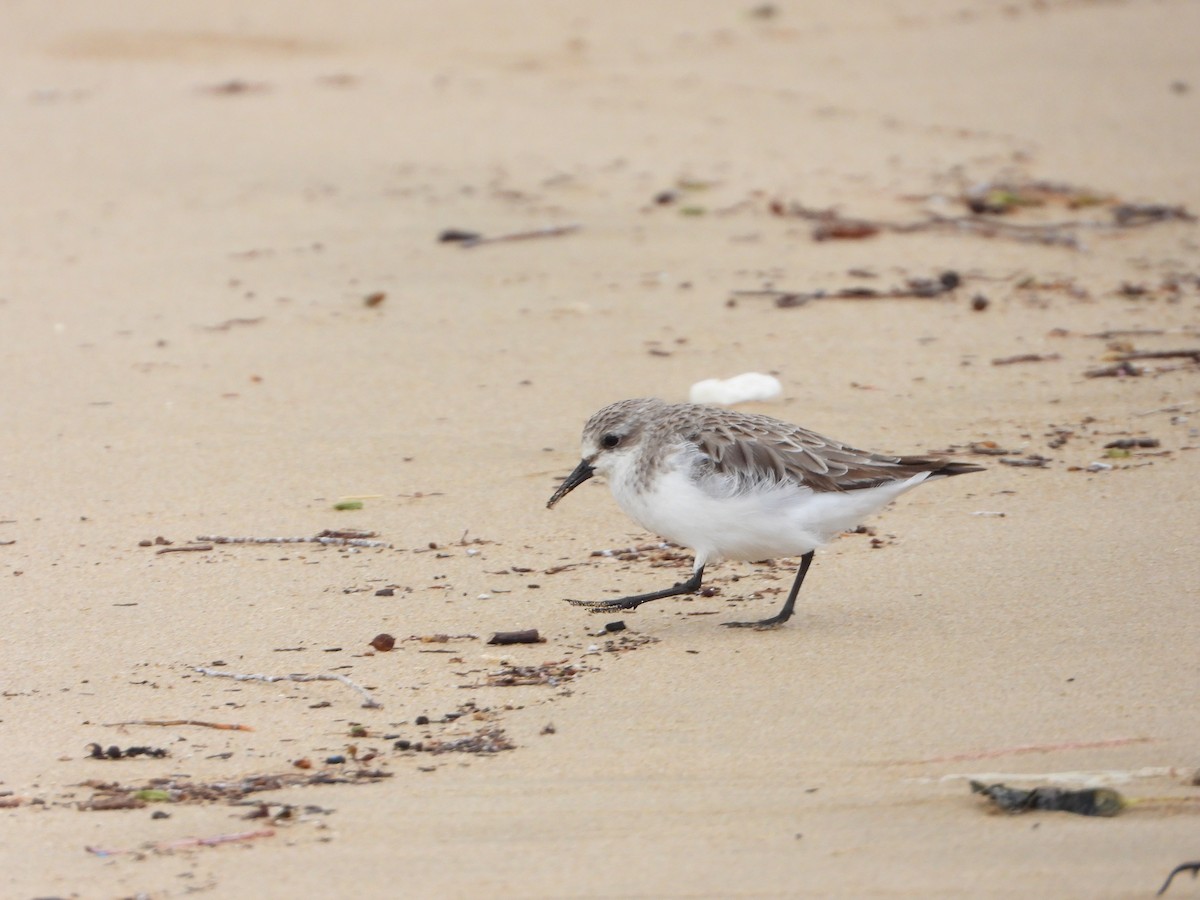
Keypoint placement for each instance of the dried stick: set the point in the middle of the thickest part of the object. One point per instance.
(832, 225)
(1025, 358)
(1032, 462)
(1192, 354)
(331, 538)
(1116, 370)
(553, 231)
(1125, 332)
(919, 288)
(174, 722)
(369, 702)
(189, 547)
(184, 843)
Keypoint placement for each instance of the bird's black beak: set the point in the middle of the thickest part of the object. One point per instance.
(582, 473)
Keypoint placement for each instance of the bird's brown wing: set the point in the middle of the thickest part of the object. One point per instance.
(757, 449)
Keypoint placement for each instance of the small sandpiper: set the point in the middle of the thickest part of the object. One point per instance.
(737, 486)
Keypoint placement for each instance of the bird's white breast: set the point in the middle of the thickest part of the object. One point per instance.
(719, 520)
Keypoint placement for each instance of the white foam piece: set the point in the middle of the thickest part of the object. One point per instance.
(744, 388)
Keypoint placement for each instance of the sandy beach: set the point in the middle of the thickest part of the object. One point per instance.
(226, 311)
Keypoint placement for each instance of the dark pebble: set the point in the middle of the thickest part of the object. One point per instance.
(383, 642)
(422, 720)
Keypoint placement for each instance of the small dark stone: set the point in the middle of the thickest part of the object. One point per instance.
(402, 745)
(335, 760)
(950, 280)
(386, 592)
(113, 752)
(613, 627)
(979, 303)
(422, 720)
(160, 814)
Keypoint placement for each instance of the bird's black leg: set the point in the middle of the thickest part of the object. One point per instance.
(788, 605)
(685, 587)
(1193, 867)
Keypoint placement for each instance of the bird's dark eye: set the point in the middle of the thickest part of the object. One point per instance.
(610, 440)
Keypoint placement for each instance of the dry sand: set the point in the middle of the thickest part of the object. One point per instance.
(197, 197)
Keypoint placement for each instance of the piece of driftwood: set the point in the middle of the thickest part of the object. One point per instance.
(369, 702)
(529, 636)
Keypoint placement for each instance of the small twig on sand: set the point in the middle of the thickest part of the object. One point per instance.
(1190, 353)
(369, 702)
(1132, 215)
(1114, 371)
(229, 323)
(1125, 332)
(831, 225)
(470, 240)
(1133, 443)
(1054, 234)
(1031, 462)
(185, 843)
(185, 549)
(170, 723)
(919, 288)
(328, 537)
(1025, 358)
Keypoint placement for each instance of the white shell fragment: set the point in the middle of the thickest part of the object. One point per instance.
(743, 388)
